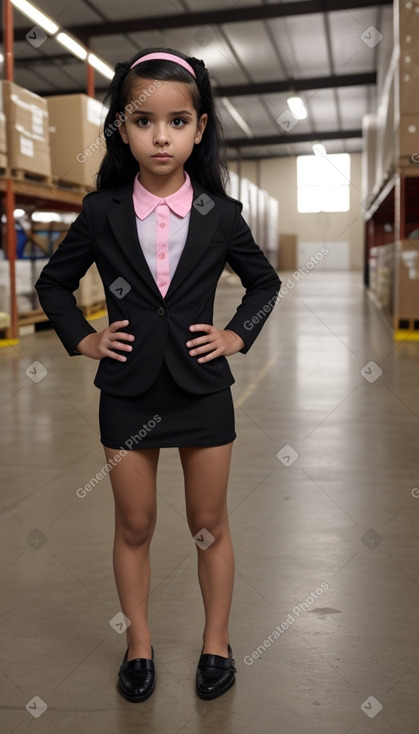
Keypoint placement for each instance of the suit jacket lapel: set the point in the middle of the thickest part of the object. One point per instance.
(123, 223)
(202, 224)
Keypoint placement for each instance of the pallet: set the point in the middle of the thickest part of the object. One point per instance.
(19, 174)
(59, 183)
(93, 308)
(31, 317)
(406, 330)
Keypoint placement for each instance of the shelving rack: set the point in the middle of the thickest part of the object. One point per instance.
(397, 203)
(15, 192)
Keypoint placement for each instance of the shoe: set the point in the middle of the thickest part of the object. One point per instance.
(137, 678)
(215, 675)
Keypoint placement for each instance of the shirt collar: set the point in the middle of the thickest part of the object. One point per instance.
(145, 202)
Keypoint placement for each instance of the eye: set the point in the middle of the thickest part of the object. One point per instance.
(142, 121)
(178, 122)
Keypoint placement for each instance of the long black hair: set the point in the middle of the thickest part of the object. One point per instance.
(207, 162)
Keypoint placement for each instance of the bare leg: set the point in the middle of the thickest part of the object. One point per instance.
(133, 482)
(206, 473)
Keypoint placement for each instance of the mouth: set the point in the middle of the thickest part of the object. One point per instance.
(162, 155)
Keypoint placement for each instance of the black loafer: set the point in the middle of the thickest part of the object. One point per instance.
(215, 675)
(137, 678)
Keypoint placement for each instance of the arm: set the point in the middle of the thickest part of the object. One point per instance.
(258, 277)
(262, 287)
(60, 278)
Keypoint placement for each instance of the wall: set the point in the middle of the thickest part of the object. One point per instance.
(279, 177)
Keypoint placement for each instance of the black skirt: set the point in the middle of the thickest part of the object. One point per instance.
(166, 416)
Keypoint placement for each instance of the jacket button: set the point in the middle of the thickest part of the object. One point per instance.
(161, 311)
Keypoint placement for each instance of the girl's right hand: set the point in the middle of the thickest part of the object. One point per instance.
(102, 343)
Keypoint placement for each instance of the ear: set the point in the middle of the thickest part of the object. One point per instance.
(202, 123)
(121, 128)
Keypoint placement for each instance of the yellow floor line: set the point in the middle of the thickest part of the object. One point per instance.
(8, 342)
(403, 335)
(254, 383)
(97, 315)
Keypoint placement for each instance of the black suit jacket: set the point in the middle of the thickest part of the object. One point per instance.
(105, 232)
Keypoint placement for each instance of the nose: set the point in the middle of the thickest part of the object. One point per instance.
(161, 135)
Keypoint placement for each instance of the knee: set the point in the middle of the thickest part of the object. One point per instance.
(135, 531)
(208, 522)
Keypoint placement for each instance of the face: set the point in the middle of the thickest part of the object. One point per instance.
(162, 132)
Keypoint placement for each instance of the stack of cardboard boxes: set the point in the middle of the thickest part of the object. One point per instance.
(391, 138)
(58, 136)
(27, 131)
(77, 144)
(57, 140)
(391, 143)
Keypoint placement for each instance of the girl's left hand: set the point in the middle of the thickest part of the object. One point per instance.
(217, 343)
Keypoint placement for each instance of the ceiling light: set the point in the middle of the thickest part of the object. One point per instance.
(33, 13)
(297, 107)
(46, 217)
(319, 150)
(100, 66)
(237, 117)
(76, 48)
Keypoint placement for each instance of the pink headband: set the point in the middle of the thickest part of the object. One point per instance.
(165, 57)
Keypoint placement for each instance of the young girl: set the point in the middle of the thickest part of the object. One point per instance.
(161, 230)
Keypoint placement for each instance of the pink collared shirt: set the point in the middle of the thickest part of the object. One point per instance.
(162, 226)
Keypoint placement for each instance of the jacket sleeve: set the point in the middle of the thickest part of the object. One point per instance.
(258, 277)
(60, 278)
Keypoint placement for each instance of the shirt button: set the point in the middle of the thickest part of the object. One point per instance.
(162, 255)
(162, 224)
(161, 311)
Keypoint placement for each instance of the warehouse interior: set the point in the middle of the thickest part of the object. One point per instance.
(319, 105)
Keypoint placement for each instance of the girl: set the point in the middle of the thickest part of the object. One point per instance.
(161, 230)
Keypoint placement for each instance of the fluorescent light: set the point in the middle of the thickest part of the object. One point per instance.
(46, 217)
(19, 213)
(319, 150)
(33, 13)
(297, 107)
(100, 66)
(237, 117)
(76, 48)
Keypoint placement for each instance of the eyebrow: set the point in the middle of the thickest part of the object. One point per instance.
(145, 112)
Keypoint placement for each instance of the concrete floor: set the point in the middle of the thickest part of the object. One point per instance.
(326, 539)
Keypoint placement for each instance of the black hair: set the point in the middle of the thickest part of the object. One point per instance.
(207, 162)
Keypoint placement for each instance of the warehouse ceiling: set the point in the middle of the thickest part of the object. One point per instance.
(259, 52)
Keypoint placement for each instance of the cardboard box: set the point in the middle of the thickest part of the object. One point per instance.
(406, 23)
(3, 137)
(287, 252)
(407, 137)
(407, 305)
(27, 130)
(386, 152)
(369, 151)
(90, 291)
(408, 83)
(76, 139)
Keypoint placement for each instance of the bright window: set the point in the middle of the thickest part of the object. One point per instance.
(323, 183)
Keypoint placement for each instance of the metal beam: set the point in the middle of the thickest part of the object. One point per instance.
(288, 139)
(212, 17)
(297, 85)
(235, 90)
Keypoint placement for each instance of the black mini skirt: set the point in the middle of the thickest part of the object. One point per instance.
(166, 416)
